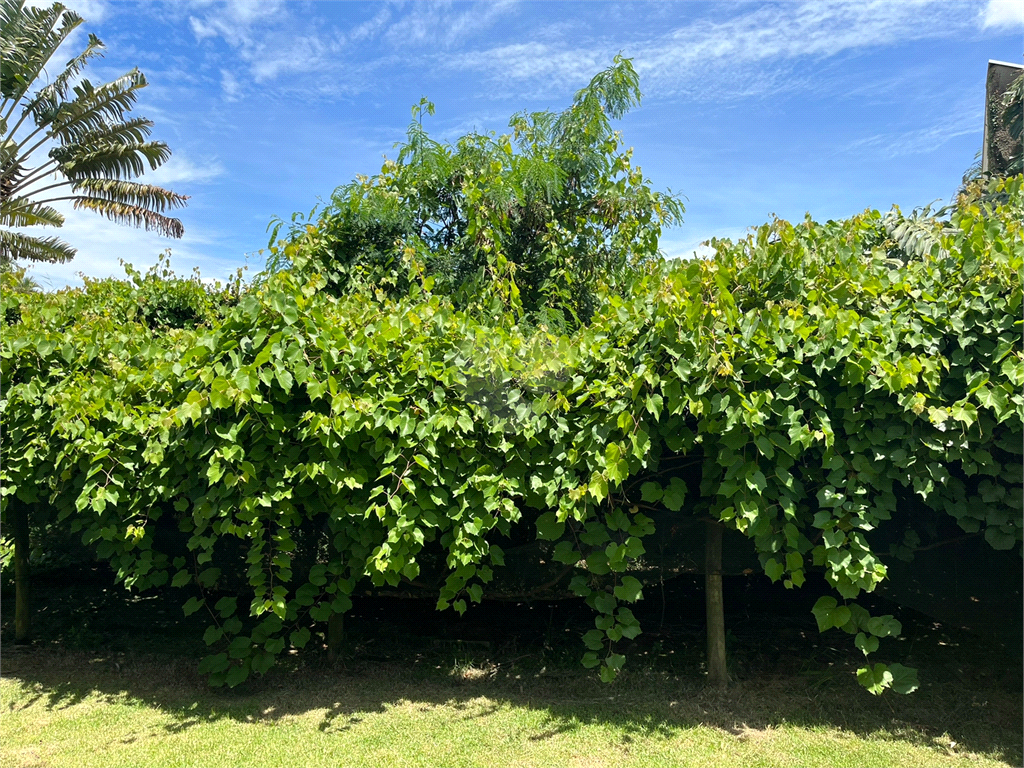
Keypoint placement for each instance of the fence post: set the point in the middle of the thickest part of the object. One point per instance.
(22, 606)
(335, 634)
(717, 674)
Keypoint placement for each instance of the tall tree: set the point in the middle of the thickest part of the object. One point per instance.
(538, 220)
(69, 140)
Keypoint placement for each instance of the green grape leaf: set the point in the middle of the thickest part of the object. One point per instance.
(237, 674)
(866, 643)
(566, 553)
(299, 637)
(675, 494)
(212, 635)
(549, 528)
(904, 679)
(651, 492)
(629, 590)
(594, 639)
(876, 679)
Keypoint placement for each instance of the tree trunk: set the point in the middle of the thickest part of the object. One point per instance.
(717, 674)
(22, 613)
(335, 634)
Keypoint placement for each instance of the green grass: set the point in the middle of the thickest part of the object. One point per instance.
(75, 708)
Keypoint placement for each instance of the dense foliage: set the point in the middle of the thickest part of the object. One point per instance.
(799, 386)
(69, 140)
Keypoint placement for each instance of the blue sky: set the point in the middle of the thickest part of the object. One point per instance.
(750, 109)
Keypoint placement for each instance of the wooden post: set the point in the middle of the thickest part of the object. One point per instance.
(717, 674)
(335, 634)
(22, 611)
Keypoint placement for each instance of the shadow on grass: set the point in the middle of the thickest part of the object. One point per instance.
(966, 706)
(787, 674)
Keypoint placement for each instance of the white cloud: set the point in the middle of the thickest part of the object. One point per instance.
(180, 170)
(1003, 13)
(729, 51)
(541, 63)
(290, 54)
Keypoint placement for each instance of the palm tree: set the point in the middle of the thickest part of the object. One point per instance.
(71, 140)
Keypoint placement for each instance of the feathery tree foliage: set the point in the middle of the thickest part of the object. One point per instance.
(92, 149)
(537, 221)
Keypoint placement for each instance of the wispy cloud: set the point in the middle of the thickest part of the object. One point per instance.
(921, 140)
(547, 65)
(237, 22)
(265, 36)
(229, 85)
(1003, 14)
(443, 24)
(272, 42)
(371, 28)
(732, 56)
(723, 51)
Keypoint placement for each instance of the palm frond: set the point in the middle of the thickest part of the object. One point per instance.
(120, 161)
(22, 212)
(131, 193)
(15, 245)
(134, 215)
(92, 106)
(90, 112)
(134, 131)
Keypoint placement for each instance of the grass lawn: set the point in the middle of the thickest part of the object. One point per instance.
(65, 707)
